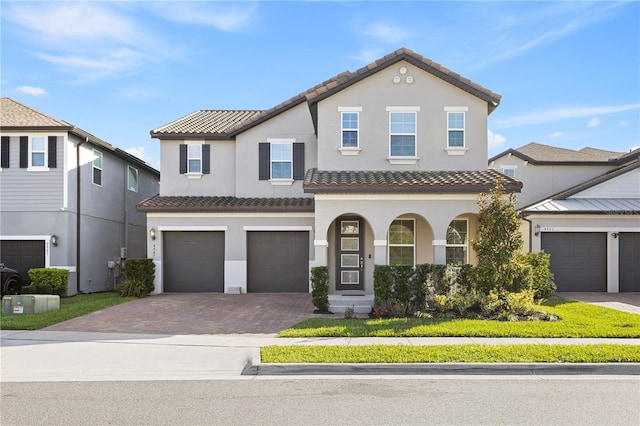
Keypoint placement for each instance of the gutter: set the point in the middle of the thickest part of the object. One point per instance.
(78, 184)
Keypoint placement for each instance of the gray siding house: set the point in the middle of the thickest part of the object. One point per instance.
(582, 207)
(55, 213)
(383, 165)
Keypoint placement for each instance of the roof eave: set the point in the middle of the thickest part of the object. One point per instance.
(183, 136)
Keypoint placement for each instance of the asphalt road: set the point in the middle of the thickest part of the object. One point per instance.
(477, 400)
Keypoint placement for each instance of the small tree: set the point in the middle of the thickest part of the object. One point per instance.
(320, 288)
(499, 241)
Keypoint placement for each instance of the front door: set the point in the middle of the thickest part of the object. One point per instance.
(349, 253)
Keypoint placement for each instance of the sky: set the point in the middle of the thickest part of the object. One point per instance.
(568, 72)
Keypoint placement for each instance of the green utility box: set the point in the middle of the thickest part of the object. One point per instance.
(27, 304)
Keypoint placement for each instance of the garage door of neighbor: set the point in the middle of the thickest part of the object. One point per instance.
(22, 256)
(193, 262)
(578, 260)
(278, 262)
(629, 261)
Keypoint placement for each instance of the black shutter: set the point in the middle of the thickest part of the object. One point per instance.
(4, 152)
(298, 161)
(24, 152)
(183, 158)
(206, 159)
(264, 161)
(53, 151)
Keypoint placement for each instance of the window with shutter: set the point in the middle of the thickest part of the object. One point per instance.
(4, 152)
(52, 151)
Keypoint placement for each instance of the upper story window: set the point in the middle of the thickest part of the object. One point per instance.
(509, 171)
(402, 242)
(38, 152)
(132, 179)
(97, 167)
(402, 134)
(350, 129)
(282, 161)
(457, 249)
(194, 159)
(455, 129)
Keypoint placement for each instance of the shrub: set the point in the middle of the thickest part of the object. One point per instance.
(350, 313)
(506, 305)
(142, 270)
(320, 287)
(29, 289)
(49, 280)
(133, 288)
(382, 283)
(541, 276)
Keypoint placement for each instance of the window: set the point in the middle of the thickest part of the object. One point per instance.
(401, 241)
(402, 134)
(132, 180)
(194, 159)
(97, 167)
(457, 242)
(350, 129)
(38, 151)
(509, 171)
(455, 129)
(281, 161)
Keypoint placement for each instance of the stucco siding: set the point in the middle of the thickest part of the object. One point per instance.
(374, 94)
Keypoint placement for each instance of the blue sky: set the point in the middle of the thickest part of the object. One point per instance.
(568, 72)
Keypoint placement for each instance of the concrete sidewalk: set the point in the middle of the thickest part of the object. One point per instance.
(30, 356)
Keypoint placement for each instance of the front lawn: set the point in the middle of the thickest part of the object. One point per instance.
(578, 319)
(70, 307)
(450, 353)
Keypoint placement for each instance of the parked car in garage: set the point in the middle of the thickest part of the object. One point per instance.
(10, 280)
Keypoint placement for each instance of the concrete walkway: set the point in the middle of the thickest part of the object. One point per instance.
(32, 356)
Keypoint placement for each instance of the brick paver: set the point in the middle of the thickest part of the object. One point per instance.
(198, 313)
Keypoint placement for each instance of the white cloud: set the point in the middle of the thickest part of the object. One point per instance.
(594, 122)
(549, 116)
(634, 148)
(366, 56)
(30, 90)
(387, 33)
(623, 123)
(139, 151)
(209, 14)
(494, 139)
(556, 134)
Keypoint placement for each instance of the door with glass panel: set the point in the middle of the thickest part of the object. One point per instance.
(349, 253)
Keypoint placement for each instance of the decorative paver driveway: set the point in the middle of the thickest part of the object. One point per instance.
(198, 313)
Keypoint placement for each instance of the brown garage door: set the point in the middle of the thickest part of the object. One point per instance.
(22, 256)
(578, 260)
(193, 262)
(278, 262)
(629, 261)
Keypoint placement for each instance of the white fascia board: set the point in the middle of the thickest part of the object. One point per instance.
(230, 214)
(396, 197)
(192, 228)
(277, 228)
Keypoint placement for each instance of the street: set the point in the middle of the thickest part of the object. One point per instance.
(485, 400)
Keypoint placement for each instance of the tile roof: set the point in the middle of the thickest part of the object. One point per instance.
(206, 121)
(537, 153)
(405, 181)
(15, 115)
(196, 123)
(192, 204)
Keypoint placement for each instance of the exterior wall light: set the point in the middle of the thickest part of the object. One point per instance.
(152, 233)
(537, 230)
(54, 240)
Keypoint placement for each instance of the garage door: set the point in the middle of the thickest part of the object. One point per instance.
(578, 260)
(629, 261)
(278, 262)
(22, 256)
(193, 262)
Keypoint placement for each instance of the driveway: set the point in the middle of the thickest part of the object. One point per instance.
(627, 302)
(198, 313)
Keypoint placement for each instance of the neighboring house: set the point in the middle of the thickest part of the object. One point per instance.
(383, 165)
(582, 207)
(545, 170)
(41, 188)
(592, 230)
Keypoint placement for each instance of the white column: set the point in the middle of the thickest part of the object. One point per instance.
(613, 262)
(439, 252)
(380, 252)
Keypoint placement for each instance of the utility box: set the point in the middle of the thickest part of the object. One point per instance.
(28, 304)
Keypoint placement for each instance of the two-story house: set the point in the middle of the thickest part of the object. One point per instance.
(378, 166)
(68, 199)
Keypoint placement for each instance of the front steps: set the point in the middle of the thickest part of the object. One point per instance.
(361, 304)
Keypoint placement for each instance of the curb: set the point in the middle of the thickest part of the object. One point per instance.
(443, 369)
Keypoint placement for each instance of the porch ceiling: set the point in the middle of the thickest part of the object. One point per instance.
(318, 181)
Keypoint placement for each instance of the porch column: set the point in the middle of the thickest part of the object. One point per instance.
(321, 247)
(439, 252)
(380, 252)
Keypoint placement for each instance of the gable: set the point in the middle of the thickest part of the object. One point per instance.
(623, 186)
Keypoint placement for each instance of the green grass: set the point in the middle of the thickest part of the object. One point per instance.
(578, 319)
(70, 307)
(450, 353)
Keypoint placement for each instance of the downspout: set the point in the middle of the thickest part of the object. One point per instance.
(78, 182)
(530, 229)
